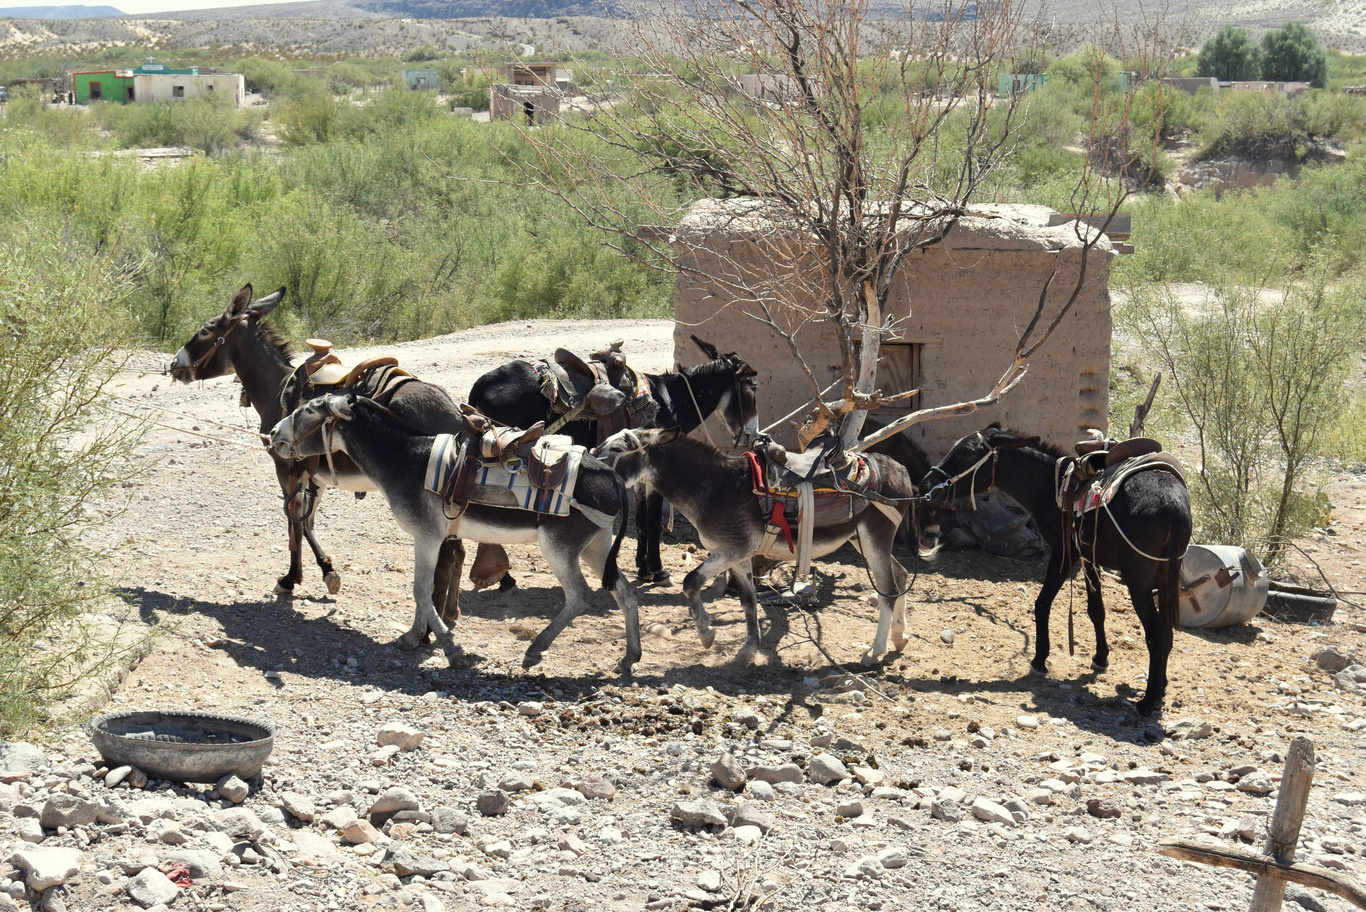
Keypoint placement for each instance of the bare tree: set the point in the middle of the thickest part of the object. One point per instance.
(846, 141)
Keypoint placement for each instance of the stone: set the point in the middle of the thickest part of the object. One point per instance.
(21, 757)
(1350, 799)
(748, 718)
(517, 781)
(1027, 723)
(385, 755)
(1303, 898)
(867, 776)
(750, 814)
(728, 772)
(239, 822)
(391, 801)
(852, 807)
(531, 709)
(894, 857)
(1332, 659)
(709, 880)
(748, 835)
(114, 778)
(991, 812)
(313, 845)
(493, 803)
(946, 809)
(824, 769)
(136, 779)
(788, 772)
(339, 817)
(233, 789)
(359, 831)
(947, 636)
(568, 842)
(151, 888)
(449, 820)
(760, 790)
(1104, 809)
(406, 863)
(1079, 834)
(46, 867)
(1191, 730)
(404, 737)
(867, 868)
(30, 830)
(1256, 784)
(202, 864)
(298, 806)
(698, 812)
(63, 810)
(595, 787)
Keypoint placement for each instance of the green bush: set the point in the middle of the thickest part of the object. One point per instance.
(61, 458)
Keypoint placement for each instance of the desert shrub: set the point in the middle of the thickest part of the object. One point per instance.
(143, 125)
(1293, 53)
(1258, 124)
(1230, 55)
(1322, 213)
(1261, 375)
(61, 459)
(309, 116)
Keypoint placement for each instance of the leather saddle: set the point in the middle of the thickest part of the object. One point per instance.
(822, 464)
(572, 387)
(1097, 454)
(639, 409)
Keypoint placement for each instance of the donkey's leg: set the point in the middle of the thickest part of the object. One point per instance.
(312, 497)
(296, 506)
(1158, 635)
(446, 583)
(1095, 610)
(562, 543)
(601, 559)
(889, 579)
(426, 552)
(717, 562)
(742, 575)
(649, 530)
(1043, 605)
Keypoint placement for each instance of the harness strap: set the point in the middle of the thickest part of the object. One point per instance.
(220, 341)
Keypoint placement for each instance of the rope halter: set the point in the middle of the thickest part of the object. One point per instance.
(950, 480)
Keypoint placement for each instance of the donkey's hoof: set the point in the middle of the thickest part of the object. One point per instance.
(333, 580)
(708, 637)
(454, 656)
(748, 655)
(624, 667)
(900, 643)
(871, 658)
(531, 659)
(507, 583)
(1147, 706)
(284, 591)
(1037, 672)
(1099, 666)
(411, 640)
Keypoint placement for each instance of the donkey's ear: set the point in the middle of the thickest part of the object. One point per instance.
(265, 305)
(665, 436)
(1009, 440)
(240, 301)
(707, 349)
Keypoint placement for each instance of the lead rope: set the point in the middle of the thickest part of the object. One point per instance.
(701, 419)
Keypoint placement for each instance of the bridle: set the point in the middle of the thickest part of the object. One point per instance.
(327, 427)
(219, 342)
(637, 446)
(950, 480)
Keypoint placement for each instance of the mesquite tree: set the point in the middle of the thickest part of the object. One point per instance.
(853, 140)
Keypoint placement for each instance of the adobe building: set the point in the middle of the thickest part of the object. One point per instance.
(153, 81)
(529, 92)
(960, 306)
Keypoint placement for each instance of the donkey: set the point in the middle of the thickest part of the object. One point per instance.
(511, 394)
(237, 342)
(396, 460)
(1143, 533)
(715, 491)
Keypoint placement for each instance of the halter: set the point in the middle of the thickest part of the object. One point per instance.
(637, 446)
(219, 342)
(950, 480)
(328, 427)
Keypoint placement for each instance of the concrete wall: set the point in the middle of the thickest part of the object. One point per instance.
(962, 302)
(180, 86)
(531, 104)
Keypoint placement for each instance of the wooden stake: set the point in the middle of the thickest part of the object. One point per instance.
(1277, 865)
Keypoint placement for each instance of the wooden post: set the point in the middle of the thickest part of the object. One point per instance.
(1285, 823)
(1276, 865)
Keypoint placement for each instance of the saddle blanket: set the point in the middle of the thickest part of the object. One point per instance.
(508, 484)
(780, 501)
(1103, 488)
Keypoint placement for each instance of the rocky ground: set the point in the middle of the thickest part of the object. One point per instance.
(947, 780)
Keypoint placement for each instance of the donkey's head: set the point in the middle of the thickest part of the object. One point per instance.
(968, 469)
(205, 355)
(628, 451)
(310, 430)
(739, 404)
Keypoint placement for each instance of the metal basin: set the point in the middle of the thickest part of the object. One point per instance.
(184, 745)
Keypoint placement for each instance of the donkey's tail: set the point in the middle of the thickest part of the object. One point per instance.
(610, 573)
(1169, 582)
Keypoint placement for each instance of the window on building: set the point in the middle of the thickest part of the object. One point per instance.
(96, 90)
(177, 91)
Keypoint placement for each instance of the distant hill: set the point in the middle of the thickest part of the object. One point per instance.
(58, 12)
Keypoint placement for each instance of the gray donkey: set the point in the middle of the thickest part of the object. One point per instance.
(396, 460)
